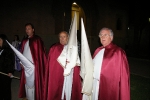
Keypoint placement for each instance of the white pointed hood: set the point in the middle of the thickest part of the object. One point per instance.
(71, 51)
(28, 66)
(86, 63)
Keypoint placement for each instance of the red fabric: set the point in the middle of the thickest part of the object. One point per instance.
(55, 78)
(115, 75)
(39, 58)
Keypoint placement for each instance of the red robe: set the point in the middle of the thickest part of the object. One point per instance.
(115, 75)
(55, 78)
(39, 59)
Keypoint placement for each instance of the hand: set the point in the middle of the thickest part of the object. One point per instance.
(21, 66)
(10, 74)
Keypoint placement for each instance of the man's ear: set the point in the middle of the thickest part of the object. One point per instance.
(112, 38)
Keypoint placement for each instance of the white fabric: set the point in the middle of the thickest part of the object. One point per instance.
(86, 97)
(69, 58)
(97, 70)
(29, 90)
(15, 44)
(1, 52)
(27, 52)
(62, 59)
(72, 59)
(28, 66)
(63, 56)
(87, 65)
(67, 86)
(72, 49)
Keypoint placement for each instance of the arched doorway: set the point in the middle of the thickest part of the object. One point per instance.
(80, 14)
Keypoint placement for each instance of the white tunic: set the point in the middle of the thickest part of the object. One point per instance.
(96, 75)
(29, 90)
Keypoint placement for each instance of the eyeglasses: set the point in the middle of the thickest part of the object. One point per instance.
(103, 35)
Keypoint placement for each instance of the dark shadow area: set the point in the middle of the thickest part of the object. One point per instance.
(140, 87)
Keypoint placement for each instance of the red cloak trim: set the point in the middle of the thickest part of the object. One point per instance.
(39, 58)
(115, 75)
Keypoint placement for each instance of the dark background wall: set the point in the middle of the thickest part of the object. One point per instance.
(52, 16)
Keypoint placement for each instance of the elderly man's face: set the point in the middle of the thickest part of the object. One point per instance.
(63, 38)
(29, 30)
(105, 37)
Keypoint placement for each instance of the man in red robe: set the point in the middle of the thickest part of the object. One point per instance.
(33, 49)
(54, 73)
(111, 70)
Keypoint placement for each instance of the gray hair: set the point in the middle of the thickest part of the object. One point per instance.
(105, 28)
(64, 32)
